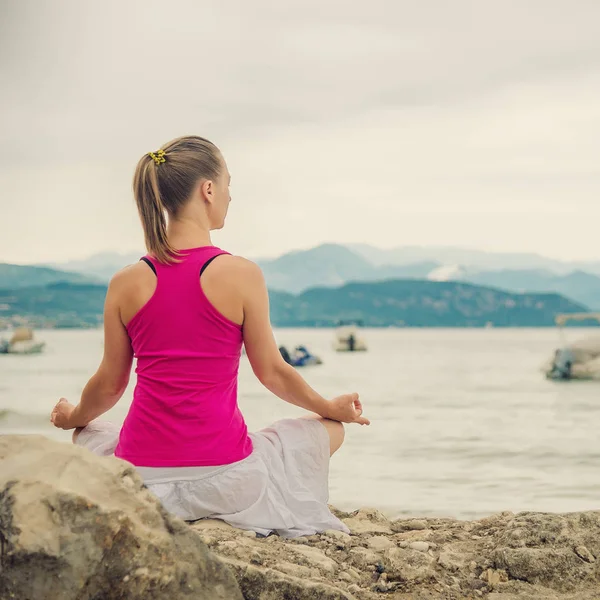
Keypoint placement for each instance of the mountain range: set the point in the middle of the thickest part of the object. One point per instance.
(334, 265)
(21, 276)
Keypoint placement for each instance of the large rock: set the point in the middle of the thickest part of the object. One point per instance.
(76, 526)
(73, 525)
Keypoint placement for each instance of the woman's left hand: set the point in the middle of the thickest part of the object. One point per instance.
(61, 414)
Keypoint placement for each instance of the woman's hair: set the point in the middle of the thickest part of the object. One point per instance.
(163, 183)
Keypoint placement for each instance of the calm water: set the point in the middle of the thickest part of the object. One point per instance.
(463, 422)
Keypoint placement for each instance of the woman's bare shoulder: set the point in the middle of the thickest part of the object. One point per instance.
(131, 277)
(233, 266)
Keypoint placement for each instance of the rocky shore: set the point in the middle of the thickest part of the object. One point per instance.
(75, 526)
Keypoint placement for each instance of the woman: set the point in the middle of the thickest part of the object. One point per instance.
(184, 311)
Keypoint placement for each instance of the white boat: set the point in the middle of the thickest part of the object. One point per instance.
(21, 342)
(578, 360)
(348, 339)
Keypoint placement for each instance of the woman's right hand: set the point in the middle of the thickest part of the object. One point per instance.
(61, 414)
(346, 409)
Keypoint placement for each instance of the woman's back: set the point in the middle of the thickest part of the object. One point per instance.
(184, 411)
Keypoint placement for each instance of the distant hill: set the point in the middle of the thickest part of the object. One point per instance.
(20, 276)
(579, 286)
(101, 266)
(332, 265)
(57, 304)
(479, 260)
(414, 303)
(418, 304)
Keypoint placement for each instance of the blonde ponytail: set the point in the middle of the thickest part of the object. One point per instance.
(163, 183)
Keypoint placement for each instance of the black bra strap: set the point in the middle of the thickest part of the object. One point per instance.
(149, 263)
(208, 262)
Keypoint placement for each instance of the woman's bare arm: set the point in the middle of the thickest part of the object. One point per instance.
(268, 365)
(107, 385)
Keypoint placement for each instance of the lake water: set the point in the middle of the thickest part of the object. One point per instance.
(463, 422)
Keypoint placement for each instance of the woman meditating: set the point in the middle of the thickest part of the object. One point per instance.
(184, 311)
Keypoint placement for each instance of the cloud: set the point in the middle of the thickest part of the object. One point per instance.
(384, 122)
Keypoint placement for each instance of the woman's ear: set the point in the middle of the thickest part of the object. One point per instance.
(207, 190)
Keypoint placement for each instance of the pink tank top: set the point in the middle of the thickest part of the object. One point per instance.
(184, 410)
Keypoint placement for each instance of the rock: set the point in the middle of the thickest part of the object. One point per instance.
(400, 525)
(267, 584)
(316, 558)
(380, 543)
(77, 526)
(419, 546)
(409, 566)
(292, 569)
(90, 512)
(341, 536)
(424, 535)
(368, 520)
(362, 558)
(452, 561)
(550, 567)
(493, 577)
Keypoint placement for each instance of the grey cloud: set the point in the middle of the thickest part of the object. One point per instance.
(385, 121)
(86, 70)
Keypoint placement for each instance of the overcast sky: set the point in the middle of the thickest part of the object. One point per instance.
(390, 122)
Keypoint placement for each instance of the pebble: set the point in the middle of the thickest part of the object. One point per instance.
(362, 557)
(294, 570)
(316, 557)
(419, 546)
(354, 589)
(402, 525)
(379, 543)
(256, 558)
(345, 577)
(340, 536)
(231, 545)
(249, 533)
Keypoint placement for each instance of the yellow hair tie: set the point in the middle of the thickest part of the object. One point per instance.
(159, 157)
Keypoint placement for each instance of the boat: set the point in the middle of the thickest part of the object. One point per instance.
(348, 339)
(578, 360)
(21, 342)
(300, 357)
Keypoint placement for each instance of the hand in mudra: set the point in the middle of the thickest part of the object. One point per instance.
(61, 414)
(347, 409)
